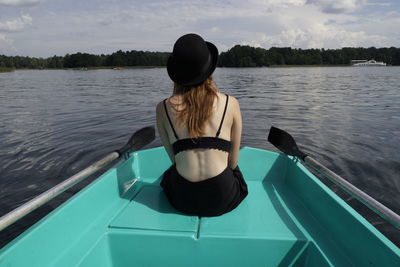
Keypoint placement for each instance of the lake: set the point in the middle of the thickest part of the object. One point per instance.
(56, 122)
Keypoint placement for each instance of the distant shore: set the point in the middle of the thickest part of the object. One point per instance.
(84, 68)
(6, 69)
(153, 67)
(238, 56)
(316, 65)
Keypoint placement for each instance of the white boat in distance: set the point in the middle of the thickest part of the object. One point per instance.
(367, 63)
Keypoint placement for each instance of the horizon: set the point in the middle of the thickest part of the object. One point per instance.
(44, 28)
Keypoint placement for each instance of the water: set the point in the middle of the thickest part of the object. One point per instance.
(56, 122)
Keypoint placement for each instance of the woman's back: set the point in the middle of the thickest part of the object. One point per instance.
(202, 163)
(200, 129)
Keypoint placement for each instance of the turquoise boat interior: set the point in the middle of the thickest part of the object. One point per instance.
(123, 218)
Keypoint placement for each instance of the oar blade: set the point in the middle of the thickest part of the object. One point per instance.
(284, 142)
(141, 138)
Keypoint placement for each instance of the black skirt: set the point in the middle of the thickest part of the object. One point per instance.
(211, 197)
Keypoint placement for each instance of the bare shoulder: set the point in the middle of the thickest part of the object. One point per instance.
(234, 103)
(232, 100)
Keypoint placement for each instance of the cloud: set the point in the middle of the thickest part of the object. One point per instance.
(337, 6)
(384, 4)
(321, 36)
(3, 37)
(308, 27)
(19, 2)
(327, 6)
(16, 24)
(8, 42)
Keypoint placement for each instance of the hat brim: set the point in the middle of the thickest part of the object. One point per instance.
(172, 68)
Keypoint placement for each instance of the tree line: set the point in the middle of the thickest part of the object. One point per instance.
(85, 60)
(247, 56)
(237, 56)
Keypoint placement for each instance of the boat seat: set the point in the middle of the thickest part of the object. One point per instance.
(150, 210)
(262, 215)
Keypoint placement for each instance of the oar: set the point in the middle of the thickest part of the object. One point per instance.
(286, 143)
(138, 140)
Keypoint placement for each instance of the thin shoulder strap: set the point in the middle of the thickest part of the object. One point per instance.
(169, 119)
(223, 116)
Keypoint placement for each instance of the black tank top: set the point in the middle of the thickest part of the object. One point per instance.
(208, 142)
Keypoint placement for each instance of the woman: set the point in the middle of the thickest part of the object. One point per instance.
(200, 129)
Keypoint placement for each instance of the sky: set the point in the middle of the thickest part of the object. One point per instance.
(43, 28)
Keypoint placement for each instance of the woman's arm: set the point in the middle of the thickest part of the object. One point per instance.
(236, 133)
(163, 132)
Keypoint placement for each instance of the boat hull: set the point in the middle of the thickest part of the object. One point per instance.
(124, 219)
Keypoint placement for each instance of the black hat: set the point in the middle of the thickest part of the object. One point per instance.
(192, 61)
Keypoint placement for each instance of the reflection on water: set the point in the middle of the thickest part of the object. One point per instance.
(56, 122)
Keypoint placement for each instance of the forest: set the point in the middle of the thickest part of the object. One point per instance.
(85, 60)
(237, 56)
(246, 56)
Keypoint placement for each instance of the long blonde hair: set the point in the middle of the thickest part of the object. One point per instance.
(196, 105)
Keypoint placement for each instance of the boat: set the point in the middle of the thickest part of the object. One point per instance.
(289, 218)
(358, 63)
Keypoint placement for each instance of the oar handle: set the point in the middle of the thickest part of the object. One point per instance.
(369, 201)
(46, 196)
